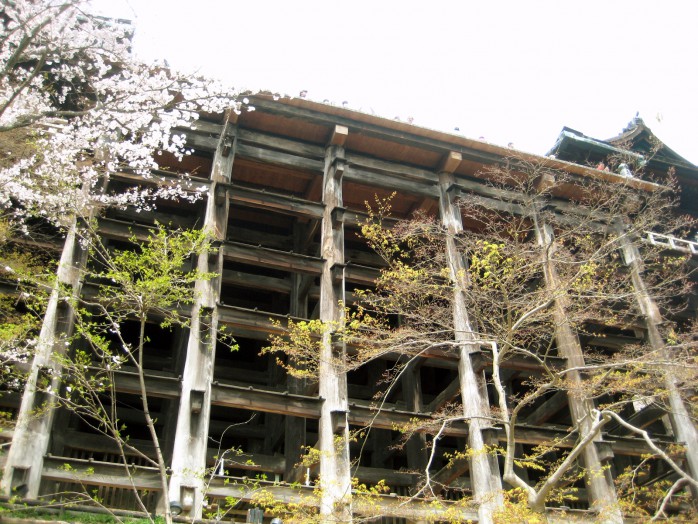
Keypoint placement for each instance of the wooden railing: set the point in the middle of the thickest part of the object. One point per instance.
(669, 242)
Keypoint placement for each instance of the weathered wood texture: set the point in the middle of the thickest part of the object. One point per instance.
(191, 436)
(598, 478)
(24, 463)
(295, 427)
(93, 473)
(681, 421)
(307, 168)
(335, 475)
(484, 471)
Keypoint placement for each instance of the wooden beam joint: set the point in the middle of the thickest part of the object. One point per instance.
(196, 400)
(220, 194)
(337, 216)
(338, 272)
(544, 182)
(605, 450)
(339, 135)
(227, 146)
(339, 421)
(450, 162)
(339, 164)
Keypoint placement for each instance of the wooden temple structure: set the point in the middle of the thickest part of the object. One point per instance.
(286, 186)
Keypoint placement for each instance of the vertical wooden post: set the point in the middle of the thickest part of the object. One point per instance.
(335, 478)
(36, 413)
(681, 422)
(602, 494)
(375, 371)
(191, 437)
(485, 476)
(295, 427)
(170, 407)
(412, 394)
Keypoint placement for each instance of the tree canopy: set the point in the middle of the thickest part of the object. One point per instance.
(92, 110)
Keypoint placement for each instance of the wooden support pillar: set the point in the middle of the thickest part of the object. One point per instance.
(295, 427)
(170, 407)
(191, 438)
(484, 470)
(274, 422)
(681, 422)
(335, 477)
(32, 433)
(600, 487)
(412, 394)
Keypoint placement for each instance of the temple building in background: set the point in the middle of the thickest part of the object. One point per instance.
(286, 188)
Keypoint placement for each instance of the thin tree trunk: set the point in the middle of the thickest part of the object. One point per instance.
(149, 421)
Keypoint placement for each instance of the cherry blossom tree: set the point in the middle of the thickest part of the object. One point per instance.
(76, 109)
(65, 68)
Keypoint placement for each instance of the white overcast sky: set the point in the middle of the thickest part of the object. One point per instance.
(509, 71)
